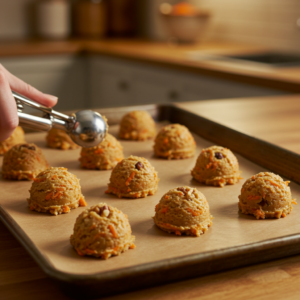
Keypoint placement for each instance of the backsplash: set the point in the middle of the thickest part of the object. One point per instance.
(262, 22)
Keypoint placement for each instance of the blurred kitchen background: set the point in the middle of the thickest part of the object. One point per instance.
(98, 78)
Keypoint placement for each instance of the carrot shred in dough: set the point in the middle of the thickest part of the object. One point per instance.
(164, 210)
(287, 183)
(194, 213)
(129, 178)
(167, 197)
(177, 232)
(273, 183)
(260, 213)
(113, 231)
(132, 246)
(252, 197)
(38, 179)
(66, 209)
(79, 252)
(283, 215)
(82, 202)
(48, 196)
(89, 251)
(294, 201)
(98, 151)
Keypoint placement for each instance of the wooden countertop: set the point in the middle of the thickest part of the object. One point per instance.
(169, 55)
(274, 119)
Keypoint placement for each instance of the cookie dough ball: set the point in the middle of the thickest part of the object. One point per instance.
(183, 210)
(56, 191)
(133, 177)
(102, 231)
(17, 137)
(137, 125)
(105, 156)
(59, 139)
(266, 195)
(23, 162)
(216, 166)
(174, 141)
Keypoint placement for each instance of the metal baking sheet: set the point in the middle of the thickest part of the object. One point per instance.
(234, 240)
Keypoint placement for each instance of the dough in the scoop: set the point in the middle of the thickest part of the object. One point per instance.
(133, 177)
(265, 195)
(23, 162)
(56, 191)
(102, 231)
(174, 141)
(17, 137)
(183, 210)
(59, 139)
(137, 125)
(216, 166)
(104, 156)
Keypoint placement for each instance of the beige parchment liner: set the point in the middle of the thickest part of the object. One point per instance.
(51, 234)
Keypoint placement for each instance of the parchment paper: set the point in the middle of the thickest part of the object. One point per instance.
(230, 228)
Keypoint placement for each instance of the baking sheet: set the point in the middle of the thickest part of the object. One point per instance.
(50, 234)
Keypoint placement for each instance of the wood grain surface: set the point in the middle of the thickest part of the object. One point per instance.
(20, 277)
(169, 55)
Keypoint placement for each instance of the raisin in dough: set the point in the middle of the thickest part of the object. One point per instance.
(105, 156)
(102, 231)
(183, 210)
(265, 195)
(59, 139)
(174, 141)
(17, 137)
(137, 125)
(56, 191)
(133, 177)
(216, 166)
(23, 162)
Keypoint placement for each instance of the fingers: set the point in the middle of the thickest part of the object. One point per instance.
(28, 91)
(8, 109)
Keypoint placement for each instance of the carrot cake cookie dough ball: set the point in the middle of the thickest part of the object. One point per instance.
(265, 195)
(23, 162)
(183, 210)
(216, 166)
(102, 231)
(137, 125)
(59, 139)
(133, 177)
(17, 137)
(174, 141)
(56, 191)
(105, 156)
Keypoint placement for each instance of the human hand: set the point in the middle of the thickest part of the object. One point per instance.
(8, 110)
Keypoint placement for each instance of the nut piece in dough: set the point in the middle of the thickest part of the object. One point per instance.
(183, 210)
(216, 166)
(105, 156)
(265, 195)
(59, 139)
(56, 191)
(23, 162)
(17, 137)
(102, 231)
(137, 125)
(174, 141)
(133, 177)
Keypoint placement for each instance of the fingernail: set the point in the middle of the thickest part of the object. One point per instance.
(54, 98)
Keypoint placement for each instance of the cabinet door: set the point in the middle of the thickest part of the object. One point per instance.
(110, 83)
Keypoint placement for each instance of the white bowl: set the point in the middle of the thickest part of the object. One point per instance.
(186, 29)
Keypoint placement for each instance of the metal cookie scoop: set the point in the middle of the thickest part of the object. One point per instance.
(86, 127)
